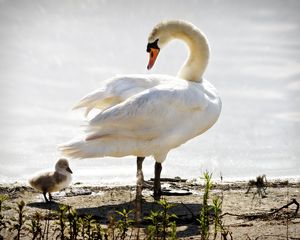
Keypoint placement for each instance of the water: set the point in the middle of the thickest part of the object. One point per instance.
(54, 52)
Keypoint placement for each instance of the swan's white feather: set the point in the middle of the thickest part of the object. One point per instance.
(163, 113)
(115, 91)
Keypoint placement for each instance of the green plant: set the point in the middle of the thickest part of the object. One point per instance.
(62, 221)
(218, 223)
(173, 231)
(204, 215)
(18, 223)
(47, 225)
(166, 217)
(124, 223)
(35, 226)
(97, 232)
(88, 225)
(155, 227)
(110, 230)
(160, 222)
(217, 206)
(73, 224)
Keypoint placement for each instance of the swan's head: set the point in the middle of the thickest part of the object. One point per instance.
(157, 39)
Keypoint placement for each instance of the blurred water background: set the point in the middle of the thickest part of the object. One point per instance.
(54, 52)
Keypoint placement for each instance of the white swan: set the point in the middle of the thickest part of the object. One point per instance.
(145, 115)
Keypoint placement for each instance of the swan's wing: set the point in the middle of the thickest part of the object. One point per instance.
(116, 90)
(150, 113)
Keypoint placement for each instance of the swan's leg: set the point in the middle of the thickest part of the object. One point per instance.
(157, 186)
(139, 187)
(139, 164)
(146, 184)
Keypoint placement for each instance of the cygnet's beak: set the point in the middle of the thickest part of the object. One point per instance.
(69, 170)
(153, 53)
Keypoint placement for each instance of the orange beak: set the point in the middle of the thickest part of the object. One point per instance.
(152, 57)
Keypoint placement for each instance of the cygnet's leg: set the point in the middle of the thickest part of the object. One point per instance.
(50, 196)
(46, 199)
(139, 187)
(157, 185)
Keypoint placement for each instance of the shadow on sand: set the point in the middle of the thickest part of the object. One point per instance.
(186, 213)
(54, 206)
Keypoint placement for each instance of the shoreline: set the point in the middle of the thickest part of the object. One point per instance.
(196, 181)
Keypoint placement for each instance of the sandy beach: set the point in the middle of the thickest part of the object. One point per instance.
(246, 216)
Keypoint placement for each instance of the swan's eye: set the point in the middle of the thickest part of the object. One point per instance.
(152, 45)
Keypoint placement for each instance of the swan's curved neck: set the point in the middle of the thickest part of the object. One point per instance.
(197, 60)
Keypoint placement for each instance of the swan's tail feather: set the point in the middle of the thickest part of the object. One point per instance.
(83, 149)
(96, 146)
